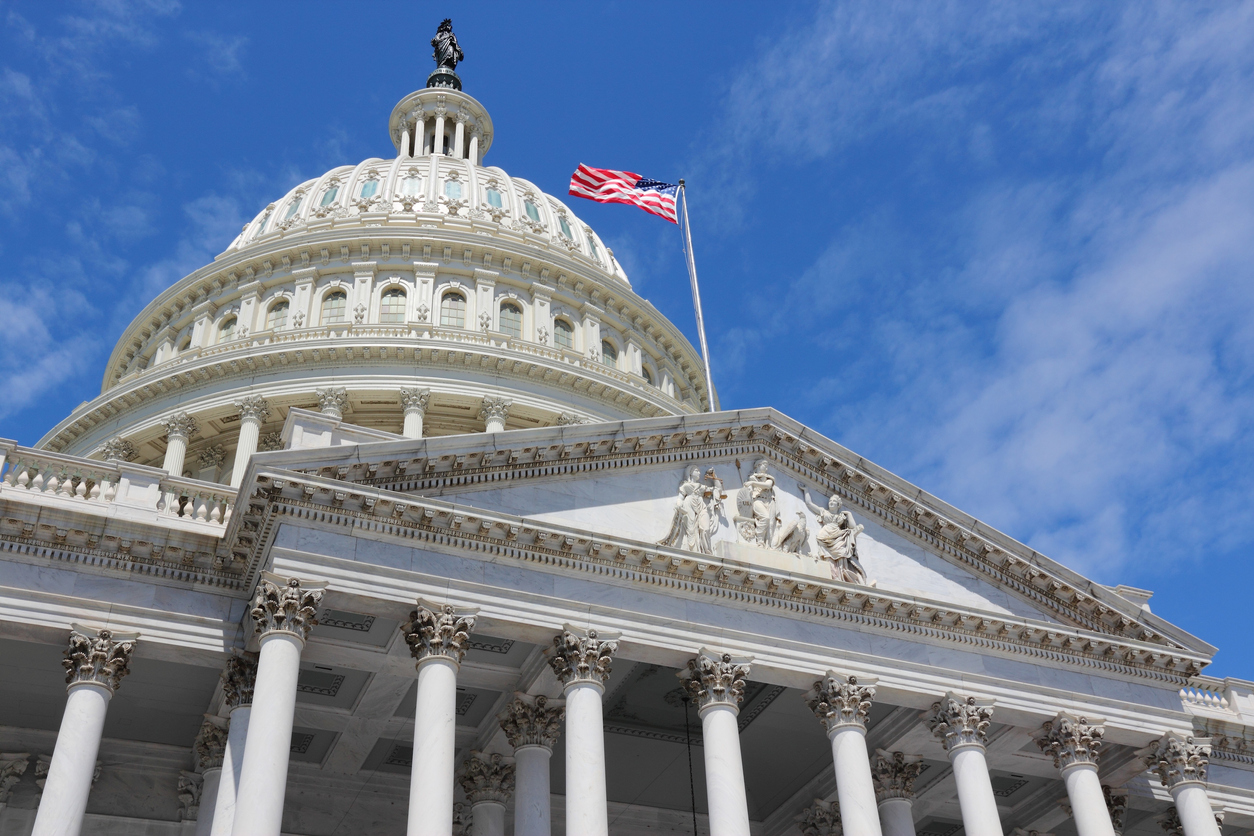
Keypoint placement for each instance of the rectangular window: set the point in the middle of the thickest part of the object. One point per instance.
(292, 210)
(453, 190)
(410, 187)
(565, 226)
(494, 198)
(329, 196)
(532, 211)
(369, 188)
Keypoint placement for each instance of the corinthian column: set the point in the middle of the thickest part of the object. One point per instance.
(532, 725)
(414, 402)
(894, 774)
(331, 401)
(283, 614)
(1180, 762)
(179, 427)
(841, 704)
(238, 680)
(961, 724)
(488, 781)
(1074, 744)
(717, 683)
(95, 662)
(253, 412)
(438, 636)
(581, 660)
(209, 748)
(494, 412)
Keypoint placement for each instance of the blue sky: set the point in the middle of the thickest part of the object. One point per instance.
(1005, 252)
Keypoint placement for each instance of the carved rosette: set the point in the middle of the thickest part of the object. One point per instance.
(332, 401)
(1072, 741)
(960, 721)
(253, 408)
(1178, 759)
(190, 786)
(532, 721)
(486, 777)
(1116, 805)
(495, 409)
(579, 656)
(822, 818)
(179, 425)
(119, 449)
(894, 774)
(439, 631)
(716, 679)
(239, 677)
(210, 746)
(98, 657)
(13, 766)
(415, 400)
(288, 608)
(841, 702)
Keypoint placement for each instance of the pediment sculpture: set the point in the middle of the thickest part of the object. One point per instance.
(838, 538)
(758, 520)
(698, 512)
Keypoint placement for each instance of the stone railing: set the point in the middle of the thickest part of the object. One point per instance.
(1201, 695)
(113, 488)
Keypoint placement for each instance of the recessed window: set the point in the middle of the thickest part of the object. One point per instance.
(392, 307)
(648, 375)
(328, 197)
(410, 186)
(532, 210)
(334, 307)
(226, 331)
(276, 318)
(494, 199)
(292, 209)
(561, 219)
(592, 248)
(261, 225)
(609, 354)
(453, 310)
(370, 188)
(453, 190)
(563, 334)
(511, 320)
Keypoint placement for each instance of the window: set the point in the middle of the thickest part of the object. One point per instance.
(226, 331)
(453, 190)
(592, 248)
(392, 309)
(609, 354)
(334, 307)
(511, 320)
(328, 197)
(277, 316)
(410, 186)
(494, 199)
(533, 211)
(370, 188)
(453, 310)
(648, 375)
(261, 225)
(561, 219)
(292, 209)
(563, 334)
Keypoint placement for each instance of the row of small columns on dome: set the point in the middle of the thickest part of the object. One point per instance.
(464, 144)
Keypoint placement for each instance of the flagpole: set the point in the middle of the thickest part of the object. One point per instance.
(696, 297)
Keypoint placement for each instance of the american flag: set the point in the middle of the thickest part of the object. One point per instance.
(605, 185)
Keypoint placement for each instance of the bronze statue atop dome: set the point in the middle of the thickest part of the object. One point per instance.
(447, 51)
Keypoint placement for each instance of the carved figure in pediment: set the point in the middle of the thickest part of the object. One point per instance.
(698, 509)
(757, 512)
(838, 538)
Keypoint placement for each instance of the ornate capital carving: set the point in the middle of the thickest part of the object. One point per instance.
(190, 786)
(238, 679)
(567, 419)
(270, 441)
(579, 655)
(1178, 759)
(495, 409)
(486, 778)
(179, 425)
(439, 630)
(99, 657)
(253, 407)
(716, 678)
(840, 702)
(211, 456)
(210, 744)
(894, 774)
(960, 721)
(1117, 805)
(1072, 741)
(415, 400)
(118, 448)
(1169, 821)
(285, 606)
(822, 818)
(332, 401)
(532, 721)
(13, 766)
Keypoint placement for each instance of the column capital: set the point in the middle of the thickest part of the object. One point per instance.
(579, 655)
(118, 448)
(532, 721)
(822, 818)
(239, 677)
(415, 400)
(716, 678)
(495, 408)
(1116, 805)
(98, 657)
(332, 400)
(211, 457)
(253, 406)
(179, 425)
(1073, 741)
(1169, 821)
(210, 744)
(439, 631)
(894, 773)
(1178, 758)
(13, 766)
(840, 701)
(286, 606)
(485, 777)
(960, 721)
(190, 787)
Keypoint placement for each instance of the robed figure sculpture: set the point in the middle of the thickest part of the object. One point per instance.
(447, 51)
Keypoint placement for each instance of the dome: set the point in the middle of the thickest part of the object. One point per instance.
(428, 278)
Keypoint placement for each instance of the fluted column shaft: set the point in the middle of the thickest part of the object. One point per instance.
(437, 139)
(253, 412)
(178, 429)
(717, 682)
(414, 403)
(960, 723)
(1075, 744)
(842, 704)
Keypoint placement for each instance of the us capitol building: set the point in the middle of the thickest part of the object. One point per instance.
(407, 515)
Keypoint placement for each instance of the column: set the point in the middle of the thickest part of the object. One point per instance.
(1180, 762)
(1117, 806)
(420, 133)
(1074, 744)
(238, 679)
(437, 636)
(414, 403)
(459, 135)
(332, 400)
(532, 724)
(209, 748)
(717, 684)
(253, 412)
(493, 413)
(488, 781)
(179, 427)
(437, 138)
(283, 614)
(961, 724)
(95, 662)
(581, 660)
(473, 154)
(894, 774)
(841, 703)
(404, 154)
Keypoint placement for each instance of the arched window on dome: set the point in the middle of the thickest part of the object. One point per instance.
(453, 189)
(369, 189)
(276, 317)
(561, 220)
(609, 353)
(453, 310)
(533, 211)
(261, 225)
(647, 375)
(329, 196)
(411, 186)
(511, 320)
(593, 248)
(392, 306)
(563, 334)
(334, 307)
(292, 209)
(494, 199)
(226, 331)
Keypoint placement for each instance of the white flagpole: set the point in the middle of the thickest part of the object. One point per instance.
(696, 297)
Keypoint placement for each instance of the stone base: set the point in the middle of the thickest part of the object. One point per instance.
(799, 564)
(444, 77)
